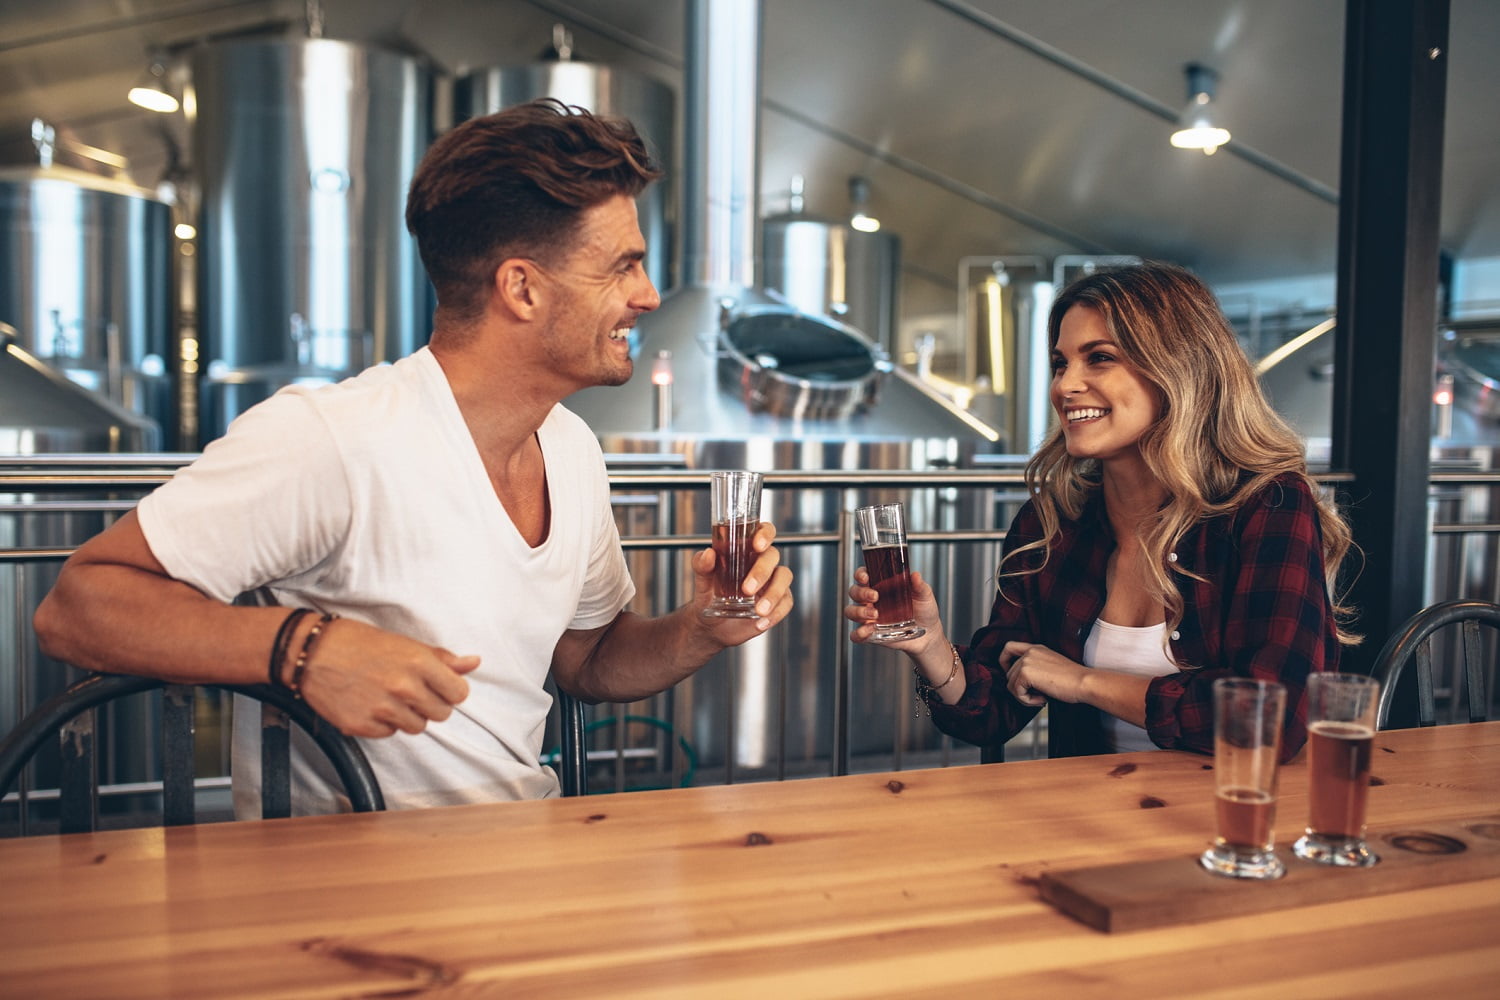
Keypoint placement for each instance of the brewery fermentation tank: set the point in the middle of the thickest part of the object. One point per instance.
(305, 149)
(43, 413)
(829, 268)
(85, 282)
(605, 90)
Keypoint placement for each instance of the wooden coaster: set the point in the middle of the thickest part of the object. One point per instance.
(1142, 894)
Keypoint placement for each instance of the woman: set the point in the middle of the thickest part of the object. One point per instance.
(1172, 537)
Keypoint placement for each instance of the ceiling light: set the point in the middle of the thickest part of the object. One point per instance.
(859, 193)
(1198, 129)
(151, 91)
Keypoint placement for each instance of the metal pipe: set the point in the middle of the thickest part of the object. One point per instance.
(1125, 92)
(721, 112)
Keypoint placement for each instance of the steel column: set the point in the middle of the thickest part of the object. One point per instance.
(1395, 66)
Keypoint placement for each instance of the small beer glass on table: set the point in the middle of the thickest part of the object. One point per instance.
(1248, 716)
(882, 539)
(734, 499)
(1340, 732)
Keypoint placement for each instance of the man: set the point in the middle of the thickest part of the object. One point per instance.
(446, 520)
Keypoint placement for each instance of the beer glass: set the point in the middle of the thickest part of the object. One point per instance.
(1340, 731)
(734, 499)
(1248, 715)
(882, 538)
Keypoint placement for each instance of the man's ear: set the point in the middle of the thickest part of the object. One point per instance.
(518, 288)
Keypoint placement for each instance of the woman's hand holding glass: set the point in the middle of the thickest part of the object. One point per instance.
(932, 654)
(926, 613)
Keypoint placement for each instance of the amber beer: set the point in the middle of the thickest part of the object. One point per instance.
(1340, 732)
(881, 529)
(1246, 817)
(1338, 778)
(891, 577)
(733, 557)
(1248, 716)
(734, 511)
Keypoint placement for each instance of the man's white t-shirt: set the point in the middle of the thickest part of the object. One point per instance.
(369, 499)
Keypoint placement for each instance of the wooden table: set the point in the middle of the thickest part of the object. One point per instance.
(919, 883)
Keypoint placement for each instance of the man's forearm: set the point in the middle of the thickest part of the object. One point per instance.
(637, 657)
(122, 619)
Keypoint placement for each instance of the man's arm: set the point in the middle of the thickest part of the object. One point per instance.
(114, 608)
(634, 657)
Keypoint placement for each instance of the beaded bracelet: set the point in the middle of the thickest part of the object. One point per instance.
(925, 689)
(279, 647)
(306, 652)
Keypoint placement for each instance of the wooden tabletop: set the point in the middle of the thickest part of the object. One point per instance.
(910, 884)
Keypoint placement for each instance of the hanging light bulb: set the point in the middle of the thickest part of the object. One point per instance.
(859, 193)
(151, 92)
(1198, 129)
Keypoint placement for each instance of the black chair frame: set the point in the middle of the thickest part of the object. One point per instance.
(573, 765)
(69, 717)
(1410, 645)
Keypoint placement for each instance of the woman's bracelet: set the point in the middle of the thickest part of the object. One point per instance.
(926, 689)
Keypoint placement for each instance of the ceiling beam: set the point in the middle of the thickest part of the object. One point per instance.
(1125, 92)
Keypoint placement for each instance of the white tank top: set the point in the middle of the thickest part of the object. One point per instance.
(1129, 650)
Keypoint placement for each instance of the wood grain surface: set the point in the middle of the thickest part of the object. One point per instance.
(1166, 891)
(910, 884)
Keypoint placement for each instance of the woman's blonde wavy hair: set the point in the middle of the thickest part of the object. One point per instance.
(1216, 443)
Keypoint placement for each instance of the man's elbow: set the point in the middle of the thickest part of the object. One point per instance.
(57, 617)
(49, 624)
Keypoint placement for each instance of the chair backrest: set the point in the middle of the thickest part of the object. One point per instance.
(69, 718)
(1412, 644)
(573, 765)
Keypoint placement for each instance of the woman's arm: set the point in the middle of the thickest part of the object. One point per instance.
(986, 713)
(1264, 612)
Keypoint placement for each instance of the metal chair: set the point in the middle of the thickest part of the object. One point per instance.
(571, 755)
(1412, 644)
(573, 765)
(69, 717)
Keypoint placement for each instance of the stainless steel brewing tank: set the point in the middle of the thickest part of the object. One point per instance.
(43, 413)
(1003, 304)
(605, 90)
(774, 698)
(829, 268)
(85, 282)
(305, 148)
(796, 366)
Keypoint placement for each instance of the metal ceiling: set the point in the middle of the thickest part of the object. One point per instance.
(985, 127)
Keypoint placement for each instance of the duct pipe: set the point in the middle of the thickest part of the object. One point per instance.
(722, 124)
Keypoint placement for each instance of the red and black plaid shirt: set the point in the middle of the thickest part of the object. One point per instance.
(1262, 610)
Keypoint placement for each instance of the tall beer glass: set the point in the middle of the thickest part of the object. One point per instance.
(1340, 732)
(734, 499)
(882, 539)
(1248, 716)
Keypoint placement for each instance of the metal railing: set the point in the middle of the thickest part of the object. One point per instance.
(1463, 560)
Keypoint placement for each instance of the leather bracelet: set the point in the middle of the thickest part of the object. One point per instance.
(306, 652)
(279, 647)
(925, 689)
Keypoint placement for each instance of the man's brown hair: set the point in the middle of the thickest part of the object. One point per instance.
(513, 184)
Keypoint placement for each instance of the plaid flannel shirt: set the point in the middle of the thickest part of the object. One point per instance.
(1262, 610)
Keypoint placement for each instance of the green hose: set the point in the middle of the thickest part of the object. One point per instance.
(552, 756)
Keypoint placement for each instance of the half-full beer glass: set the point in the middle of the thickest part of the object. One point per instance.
(882, 539)
(1340, 732)
(734, 499)
(1248, 716)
